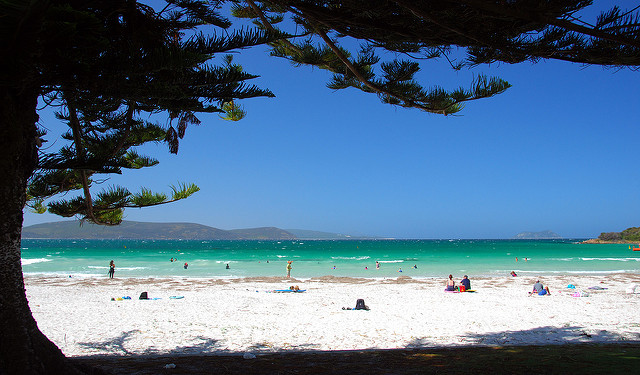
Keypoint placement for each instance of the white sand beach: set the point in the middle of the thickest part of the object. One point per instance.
(240, 316)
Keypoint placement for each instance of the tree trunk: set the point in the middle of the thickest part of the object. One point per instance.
(23, 348)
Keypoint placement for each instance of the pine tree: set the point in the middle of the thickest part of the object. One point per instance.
(105, 65)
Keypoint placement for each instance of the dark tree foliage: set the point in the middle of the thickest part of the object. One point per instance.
(142, 64)
(487, 30)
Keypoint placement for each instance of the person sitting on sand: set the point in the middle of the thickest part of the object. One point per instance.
(539, 289)
(513, 273)
(451, 285)
(466, 283)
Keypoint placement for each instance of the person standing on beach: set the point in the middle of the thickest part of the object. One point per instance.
(112, 269)
(289, 267)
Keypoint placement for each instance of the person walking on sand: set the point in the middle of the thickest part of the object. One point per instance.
(112, 269)
(289, 267)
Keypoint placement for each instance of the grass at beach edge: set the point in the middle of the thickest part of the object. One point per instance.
(547, 359)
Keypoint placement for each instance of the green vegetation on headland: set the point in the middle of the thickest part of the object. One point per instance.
(548, 359)
(629, 235)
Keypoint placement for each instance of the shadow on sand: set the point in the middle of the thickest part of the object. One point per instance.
(586, 351)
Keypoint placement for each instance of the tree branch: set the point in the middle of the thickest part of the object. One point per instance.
(265, 22)
(128, 120)
(533, 16)
(77, 140)
(369, 84)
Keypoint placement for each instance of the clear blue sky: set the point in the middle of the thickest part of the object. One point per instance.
(560, 150)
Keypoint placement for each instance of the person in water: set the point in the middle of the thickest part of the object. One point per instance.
(112, 269)
(186, 265)
(466, 282)
(228, 266)
(450, 285)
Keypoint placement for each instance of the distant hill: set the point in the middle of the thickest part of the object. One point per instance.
(544, 235)
(142, 230)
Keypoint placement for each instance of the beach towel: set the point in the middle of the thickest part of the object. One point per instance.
(580, 293)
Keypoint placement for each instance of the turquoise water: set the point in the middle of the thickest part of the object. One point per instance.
(433, 258)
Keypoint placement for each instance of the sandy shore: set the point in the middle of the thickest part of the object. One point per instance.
(241, 316)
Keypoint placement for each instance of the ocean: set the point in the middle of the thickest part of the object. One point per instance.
(315, 258)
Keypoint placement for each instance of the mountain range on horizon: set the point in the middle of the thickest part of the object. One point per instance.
(192, 231)
(168, 231)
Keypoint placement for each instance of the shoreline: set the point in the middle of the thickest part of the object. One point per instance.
(596, 241)
(221, 316)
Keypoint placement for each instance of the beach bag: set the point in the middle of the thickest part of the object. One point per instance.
(144, 295)
(360, 305)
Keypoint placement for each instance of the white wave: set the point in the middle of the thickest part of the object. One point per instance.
(391, 261)
(118, 268)
(582, 272)
(282, 256)
(33, 261)
(67, 275)
(352, 258)
(613, 259)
